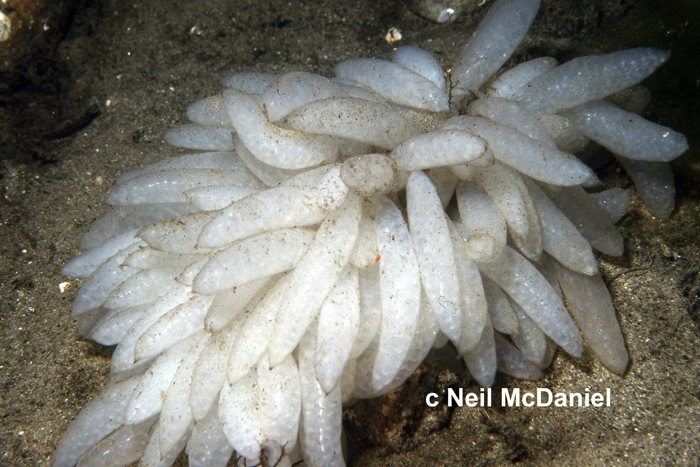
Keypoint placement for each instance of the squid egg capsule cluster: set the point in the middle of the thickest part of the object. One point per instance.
(321, 235)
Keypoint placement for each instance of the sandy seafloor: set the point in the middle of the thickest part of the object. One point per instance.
(144, 61)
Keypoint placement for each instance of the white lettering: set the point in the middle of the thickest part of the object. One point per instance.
(429, 402)
(575, 396)
(560, 399)
(509, 400)
(452, 396)
(540, 392)
(513, 397)
(597, 399)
